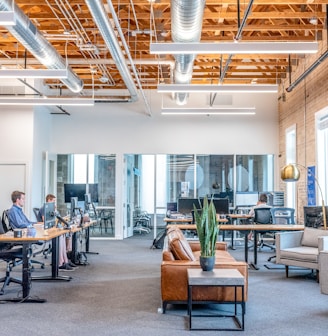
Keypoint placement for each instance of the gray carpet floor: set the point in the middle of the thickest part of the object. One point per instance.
(118, 293)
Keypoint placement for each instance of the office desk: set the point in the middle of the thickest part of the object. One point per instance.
(51, 234)
(188, 220)
(246, 228)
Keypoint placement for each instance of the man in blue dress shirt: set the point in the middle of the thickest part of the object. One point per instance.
(17, 218)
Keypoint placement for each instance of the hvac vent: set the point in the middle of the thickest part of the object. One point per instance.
(221, 99)
(12, 90)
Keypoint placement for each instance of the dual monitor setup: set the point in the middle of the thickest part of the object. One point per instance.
(73, 194)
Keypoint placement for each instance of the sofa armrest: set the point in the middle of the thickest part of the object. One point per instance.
(288, 239)
(323, 243)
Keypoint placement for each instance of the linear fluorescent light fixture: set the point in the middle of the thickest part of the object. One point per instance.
(33, 73)
(209, 111)
(234, 48)
(45, 101)
(217, 88)
(7, 18)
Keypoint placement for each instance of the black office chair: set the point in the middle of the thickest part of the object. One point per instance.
(7, 227)
(13, 256)
(263, 216)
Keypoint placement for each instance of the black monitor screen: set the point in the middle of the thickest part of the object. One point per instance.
(49, 215)
(186, 205)
(74, 207)
(221, 205)
(172, 206)
(79, 190)
(74, 190)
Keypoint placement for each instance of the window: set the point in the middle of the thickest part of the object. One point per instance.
(322, 148)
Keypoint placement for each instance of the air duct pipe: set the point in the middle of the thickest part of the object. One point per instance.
(100, 17)
(29, 36)
(186, 26)
(307, 71)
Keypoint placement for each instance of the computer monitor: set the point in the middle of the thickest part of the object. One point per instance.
(74, 190)
(186, 205)
(49, 215)
(221, 205)
(74, 207)
(172, 206)
(87, 202)
(247, 198)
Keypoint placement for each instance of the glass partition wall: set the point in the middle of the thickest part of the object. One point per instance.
(94, 175)
(150, 182)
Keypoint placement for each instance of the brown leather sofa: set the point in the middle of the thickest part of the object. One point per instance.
(179, 255)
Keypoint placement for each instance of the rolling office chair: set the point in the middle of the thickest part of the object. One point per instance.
(46, 248)
(282, 216)
(263, 216)
(13, 256)
(7, 227)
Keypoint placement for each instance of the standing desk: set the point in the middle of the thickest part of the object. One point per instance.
(51, 234)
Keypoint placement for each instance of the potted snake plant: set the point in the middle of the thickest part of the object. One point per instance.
(207, 230)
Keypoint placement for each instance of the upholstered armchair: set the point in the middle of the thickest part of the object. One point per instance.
(301, 248)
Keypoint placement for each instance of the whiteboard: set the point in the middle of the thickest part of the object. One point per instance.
(12, 177)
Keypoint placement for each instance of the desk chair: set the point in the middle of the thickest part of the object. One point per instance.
(12, 256)
(106, 217)
(263, 216)
(7, 227)
(46, 248)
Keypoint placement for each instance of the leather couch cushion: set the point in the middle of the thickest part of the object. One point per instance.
(179, 245)
(310, 236)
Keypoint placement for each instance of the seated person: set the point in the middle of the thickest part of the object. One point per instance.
(262, 203)
(63, 262)
(16, 216)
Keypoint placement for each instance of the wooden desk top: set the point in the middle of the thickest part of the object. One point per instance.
(41, 234)
(189, 220)
(239, 216)
(247, 227)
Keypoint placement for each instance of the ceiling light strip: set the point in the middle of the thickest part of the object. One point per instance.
(162, 88)
(34, 73)
(235, 48)
(47, 101)
(209, 111)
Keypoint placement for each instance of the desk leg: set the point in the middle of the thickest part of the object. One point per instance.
(254, 264)
(87, 241)
(246, 246)
(54, 265)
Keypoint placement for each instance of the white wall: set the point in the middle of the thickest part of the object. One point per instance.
(125, 128)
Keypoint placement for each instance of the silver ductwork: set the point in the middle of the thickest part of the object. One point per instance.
(100, 17)
(29, 36)
(186, 26)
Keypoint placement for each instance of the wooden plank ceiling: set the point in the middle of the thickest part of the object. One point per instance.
(70, 28)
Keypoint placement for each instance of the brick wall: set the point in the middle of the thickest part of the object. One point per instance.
(299, 108)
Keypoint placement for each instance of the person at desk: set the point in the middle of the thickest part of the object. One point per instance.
(64, 263)
(16, 216)
(262, 203)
